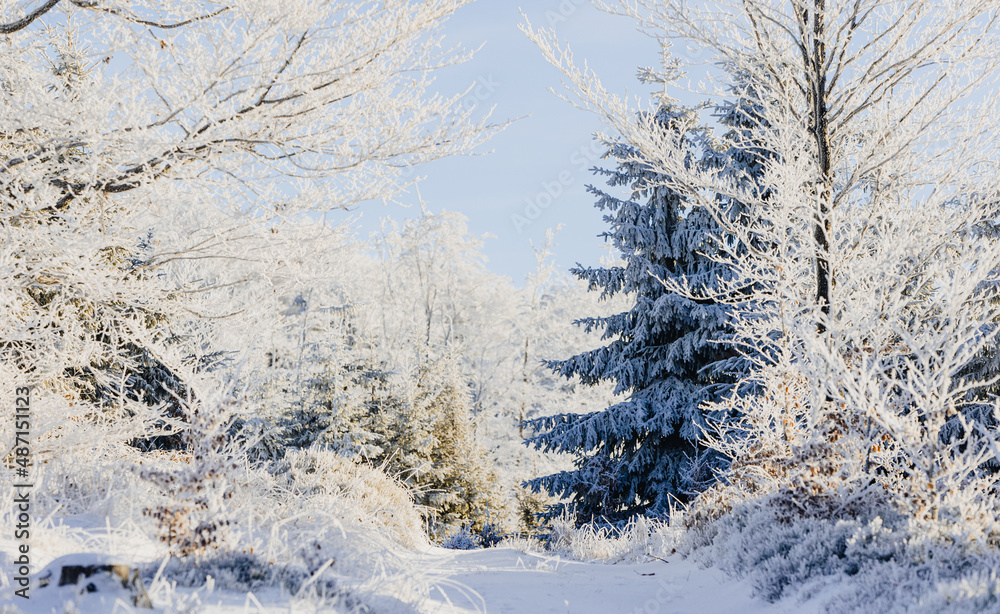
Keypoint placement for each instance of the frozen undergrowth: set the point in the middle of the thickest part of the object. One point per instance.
(873, 561)
(638, 541)
(320, 533)
(315, 530)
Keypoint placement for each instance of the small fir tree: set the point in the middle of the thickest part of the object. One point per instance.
(428, 440)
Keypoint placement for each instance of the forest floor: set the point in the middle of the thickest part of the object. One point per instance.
(504, 580)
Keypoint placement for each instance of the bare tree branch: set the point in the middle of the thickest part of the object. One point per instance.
(27, 20)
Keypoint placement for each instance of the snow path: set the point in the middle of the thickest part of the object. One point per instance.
(501, 581)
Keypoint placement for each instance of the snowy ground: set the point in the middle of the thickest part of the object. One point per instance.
(498, 581)
(501, 581)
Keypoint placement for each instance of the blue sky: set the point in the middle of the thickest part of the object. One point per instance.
(541, 159)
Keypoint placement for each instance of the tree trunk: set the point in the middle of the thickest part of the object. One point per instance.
(817, 68)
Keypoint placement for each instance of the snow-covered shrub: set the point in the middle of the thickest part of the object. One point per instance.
(303, 583)
(638, 540)
(468, 538)
(191, 516)
(415, 424)
(228, 570)
(780, 552)
(462, 539)
(101, 481)
(377, 499)
(316, 526)
(874, 559)
(355, 527)
(491, 534)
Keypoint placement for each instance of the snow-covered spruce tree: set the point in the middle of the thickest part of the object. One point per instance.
(667, 354)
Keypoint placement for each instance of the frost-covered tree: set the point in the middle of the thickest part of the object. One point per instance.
(667, 354)
(334, 346)
(206, 122)
(426, 435)
(434, 284)
(315, 386)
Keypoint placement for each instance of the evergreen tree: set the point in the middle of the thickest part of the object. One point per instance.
(319, 385)
(428, 440)
(667, 354)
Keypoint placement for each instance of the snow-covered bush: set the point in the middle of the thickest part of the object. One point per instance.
(191, 516)
(875, 559)
(462, 539)
(639, 540)
(468, 538)
(294, 520)
(379, 500)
